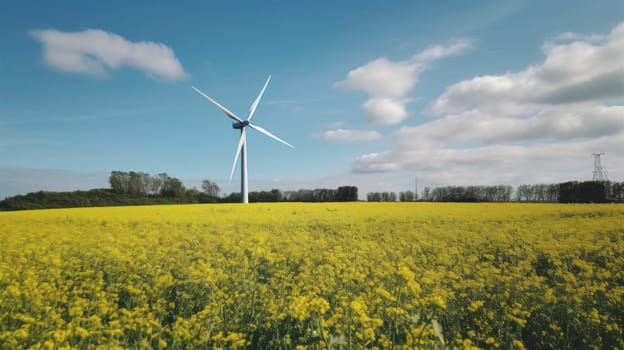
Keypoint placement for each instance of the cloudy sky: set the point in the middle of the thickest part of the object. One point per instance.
(370, 93)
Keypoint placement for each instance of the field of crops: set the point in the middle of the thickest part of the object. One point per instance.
(314, 276)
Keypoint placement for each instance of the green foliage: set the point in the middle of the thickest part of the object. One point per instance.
(347, 194)
(587, 192)
(172, 188)
(266, 196)
(210, 188)
(381, 197)
(91, 198)
(127, 188)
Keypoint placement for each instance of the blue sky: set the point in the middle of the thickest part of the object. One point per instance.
(370, 93)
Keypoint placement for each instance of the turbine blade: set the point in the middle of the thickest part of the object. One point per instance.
(241, 141)
(223, 109)
(254, 105)
(267, 133)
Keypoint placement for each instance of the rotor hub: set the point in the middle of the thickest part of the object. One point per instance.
(240, 125)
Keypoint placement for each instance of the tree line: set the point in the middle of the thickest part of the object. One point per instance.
(565, 192)
(591, 192)
(139, 188)
(340, 194)
(143, 184)
(499, 193)
(126, 188)
(573, 192)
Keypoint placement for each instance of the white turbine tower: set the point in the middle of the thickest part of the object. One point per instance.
(242, 143)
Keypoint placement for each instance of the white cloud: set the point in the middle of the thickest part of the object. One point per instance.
(388, 82)
(383, 78)
(95, 52)
(567, 36)
(346, 135)
(554, 123)
(436, 52)
(495, 164)
(573, 72)
(539, 124)
(385, 110)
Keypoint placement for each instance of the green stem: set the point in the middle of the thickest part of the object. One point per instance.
(422, 330)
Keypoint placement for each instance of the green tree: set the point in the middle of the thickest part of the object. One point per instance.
(171, 187)
(210, 188)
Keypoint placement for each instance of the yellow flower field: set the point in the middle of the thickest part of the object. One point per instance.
(314, 276)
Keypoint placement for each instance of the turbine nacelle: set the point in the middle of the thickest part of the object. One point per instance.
(240, 125)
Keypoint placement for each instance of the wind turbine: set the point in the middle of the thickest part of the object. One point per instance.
(241, 124)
